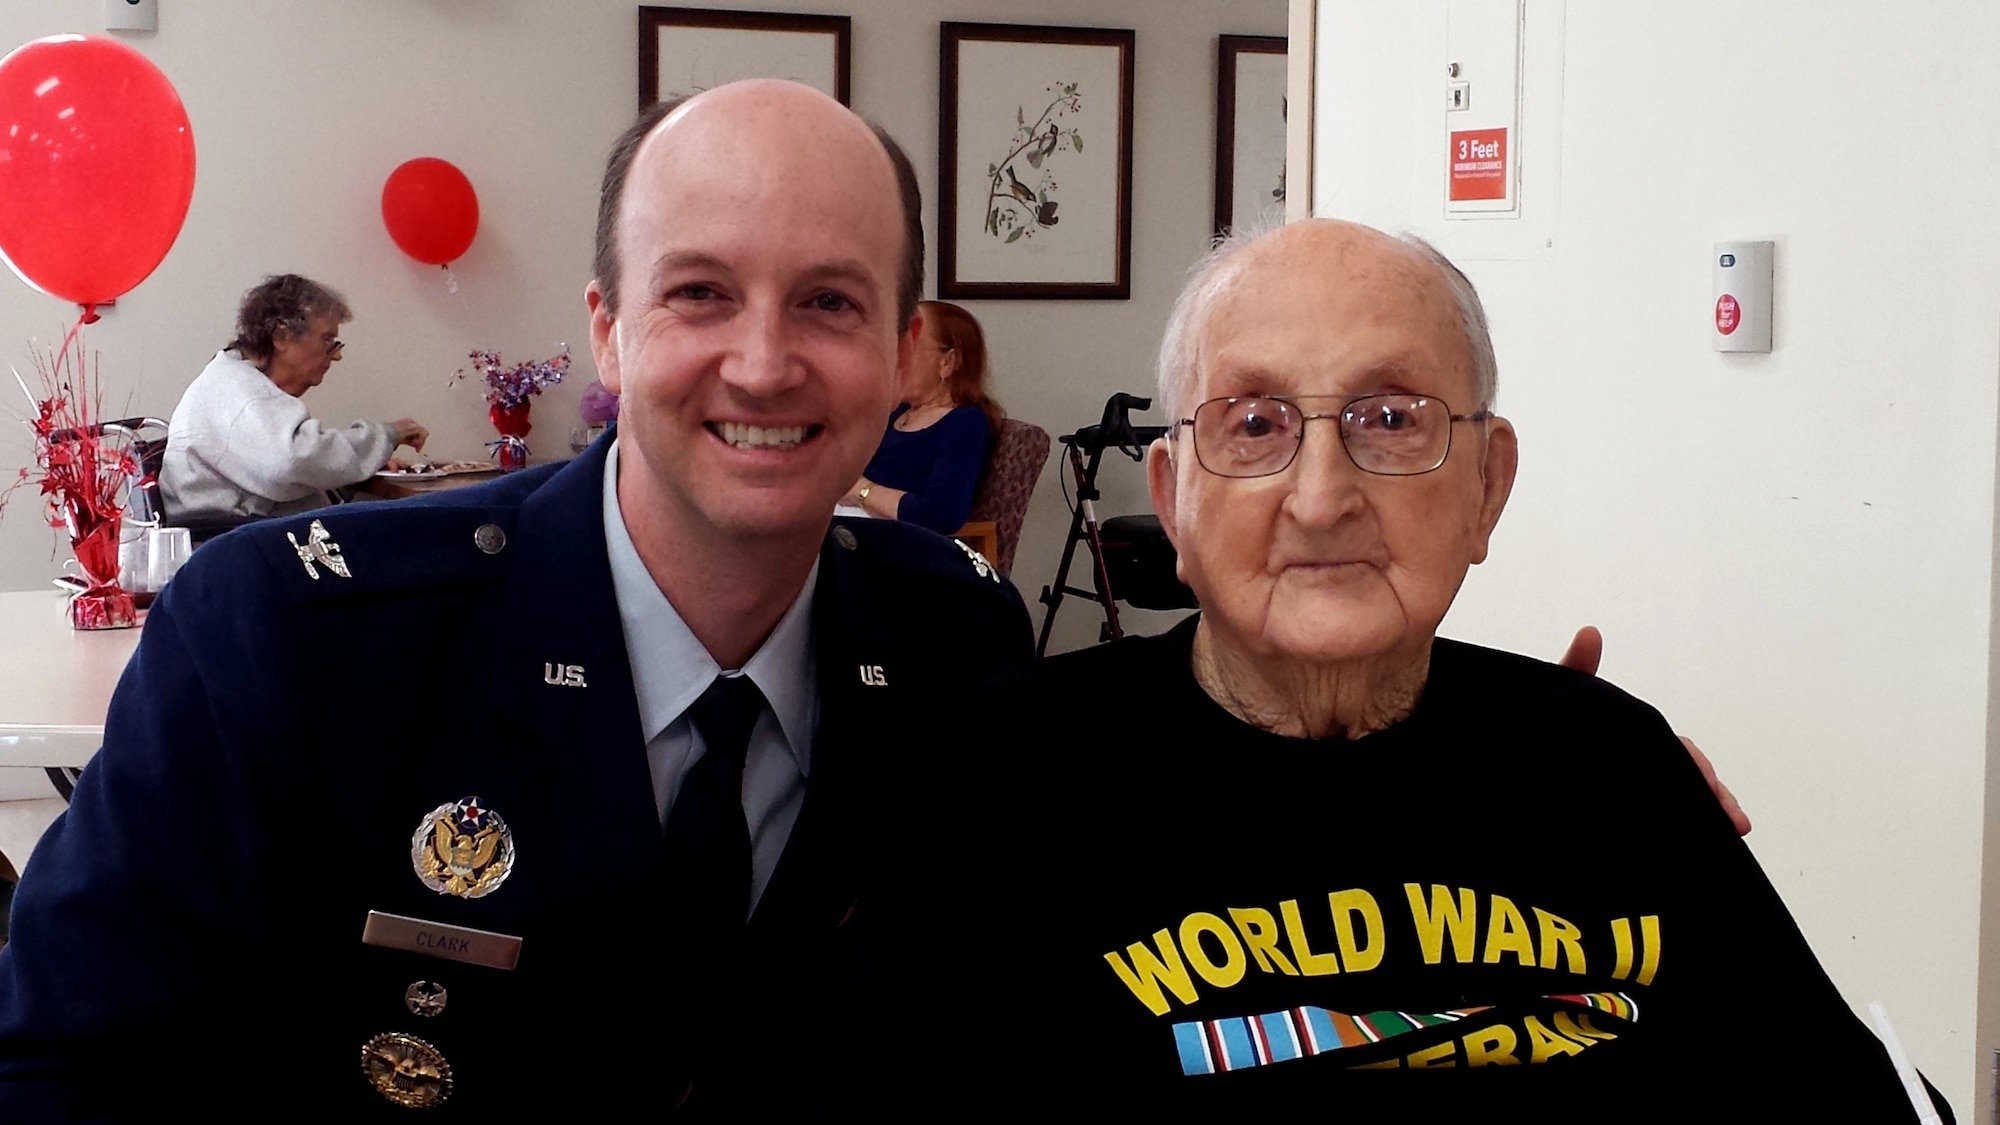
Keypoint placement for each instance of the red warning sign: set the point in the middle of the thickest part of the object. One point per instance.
(1478, 164)
(1728, 314)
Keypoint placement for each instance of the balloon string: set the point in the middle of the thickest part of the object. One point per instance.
(451, 287)
(89, 317)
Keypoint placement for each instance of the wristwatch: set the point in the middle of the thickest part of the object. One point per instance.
(862, 496)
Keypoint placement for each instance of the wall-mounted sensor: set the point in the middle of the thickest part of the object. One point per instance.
(132, 15)
(1742, 309)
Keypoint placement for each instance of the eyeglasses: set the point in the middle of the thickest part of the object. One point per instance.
(1390, 435)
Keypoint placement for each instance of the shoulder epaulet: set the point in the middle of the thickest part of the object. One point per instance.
(366, 548)
(915, 552)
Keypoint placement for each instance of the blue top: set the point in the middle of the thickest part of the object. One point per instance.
(938, 467)
(118, 962)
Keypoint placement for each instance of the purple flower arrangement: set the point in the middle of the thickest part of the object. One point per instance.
(509, 388)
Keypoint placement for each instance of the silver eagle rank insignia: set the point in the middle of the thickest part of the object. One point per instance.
(320, 548)
(979, 562)
(462, 848)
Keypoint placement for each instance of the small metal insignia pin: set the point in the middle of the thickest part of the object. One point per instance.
(406, 1070)
(320, 548)
(489, 539)
(979, 562)
(845, 538)
(462, 848)
(424, 998)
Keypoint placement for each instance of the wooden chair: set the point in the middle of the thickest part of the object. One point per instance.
(1000, 506)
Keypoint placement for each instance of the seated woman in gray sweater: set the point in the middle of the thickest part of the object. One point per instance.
(241, 445)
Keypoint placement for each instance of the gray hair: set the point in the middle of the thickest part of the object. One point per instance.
(286, 301)
(1215, 274)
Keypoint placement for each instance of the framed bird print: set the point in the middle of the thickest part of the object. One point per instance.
(1249, 131)
(1034, 162)
(688, 50)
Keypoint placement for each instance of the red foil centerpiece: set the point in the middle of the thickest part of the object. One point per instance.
(80, 480)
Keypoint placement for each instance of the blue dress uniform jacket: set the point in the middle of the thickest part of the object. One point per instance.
(189, 932)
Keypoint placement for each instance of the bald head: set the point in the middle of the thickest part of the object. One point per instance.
(1339, 254)
(786, 117)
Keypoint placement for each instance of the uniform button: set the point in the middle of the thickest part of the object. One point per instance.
(844, 537)
(489, 538)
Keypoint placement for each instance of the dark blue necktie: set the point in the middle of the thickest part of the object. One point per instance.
(707, 837)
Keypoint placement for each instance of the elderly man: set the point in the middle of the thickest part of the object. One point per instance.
(1318, 849)
(649, 705)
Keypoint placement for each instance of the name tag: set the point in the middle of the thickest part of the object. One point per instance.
(435, 939)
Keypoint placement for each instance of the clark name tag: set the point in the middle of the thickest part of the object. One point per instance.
(435, 939)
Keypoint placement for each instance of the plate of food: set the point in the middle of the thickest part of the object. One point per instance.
(432, 470)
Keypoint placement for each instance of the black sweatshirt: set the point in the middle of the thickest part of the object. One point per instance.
(1524, 890)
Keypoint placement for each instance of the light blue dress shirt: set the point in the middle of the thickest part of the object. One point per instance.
(670, 670)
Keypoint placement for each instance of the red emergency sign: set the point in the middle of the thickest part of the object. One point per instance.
(1478, 162)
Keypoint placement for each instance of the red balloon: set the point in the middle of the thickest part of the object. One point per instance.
(430, 209)
(96, 166)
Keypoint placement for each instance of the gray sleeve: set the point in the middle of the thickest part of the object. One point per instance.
(276, 448)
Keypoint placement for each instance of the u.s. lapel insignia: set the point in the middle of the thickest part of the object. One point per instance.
(320, 548)
(406, 1070)
(979, 562)
(463, 848)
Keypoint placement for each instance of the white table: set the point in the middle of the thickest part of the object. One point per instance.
(55, 688)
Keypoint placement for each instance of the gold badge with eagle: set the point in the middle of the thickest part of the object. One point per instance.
(463, 848)
(406, 1070)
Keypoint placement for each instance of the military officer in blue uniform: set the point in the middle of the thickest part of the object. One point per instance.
(622, 826)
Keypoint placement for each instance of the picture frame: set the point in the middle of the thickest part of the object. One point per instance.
(688, 50)
(1250, 130)
(1022, 105)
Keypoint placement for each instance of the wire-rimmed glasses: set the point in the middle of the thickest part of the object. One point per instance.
(1259, 435)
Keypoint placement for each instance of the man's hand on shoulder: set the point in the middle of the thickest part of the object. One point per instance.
(1586, 650)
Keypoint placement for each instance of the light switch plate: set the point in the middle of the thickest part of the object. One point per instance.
(132, 15)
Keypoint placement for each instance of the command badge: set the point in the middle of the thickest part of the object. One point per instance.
(463, 848)
(406, 1070)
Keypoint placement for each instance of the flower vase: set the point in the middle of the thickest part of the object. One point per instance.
(102, 604)
(511, 451)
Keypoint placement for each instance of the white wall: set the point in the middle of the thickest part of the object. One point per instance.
(300, 110)
(1792, 554)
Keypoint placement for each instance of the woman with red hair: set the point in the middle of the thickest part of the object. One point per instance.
(935, 448)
